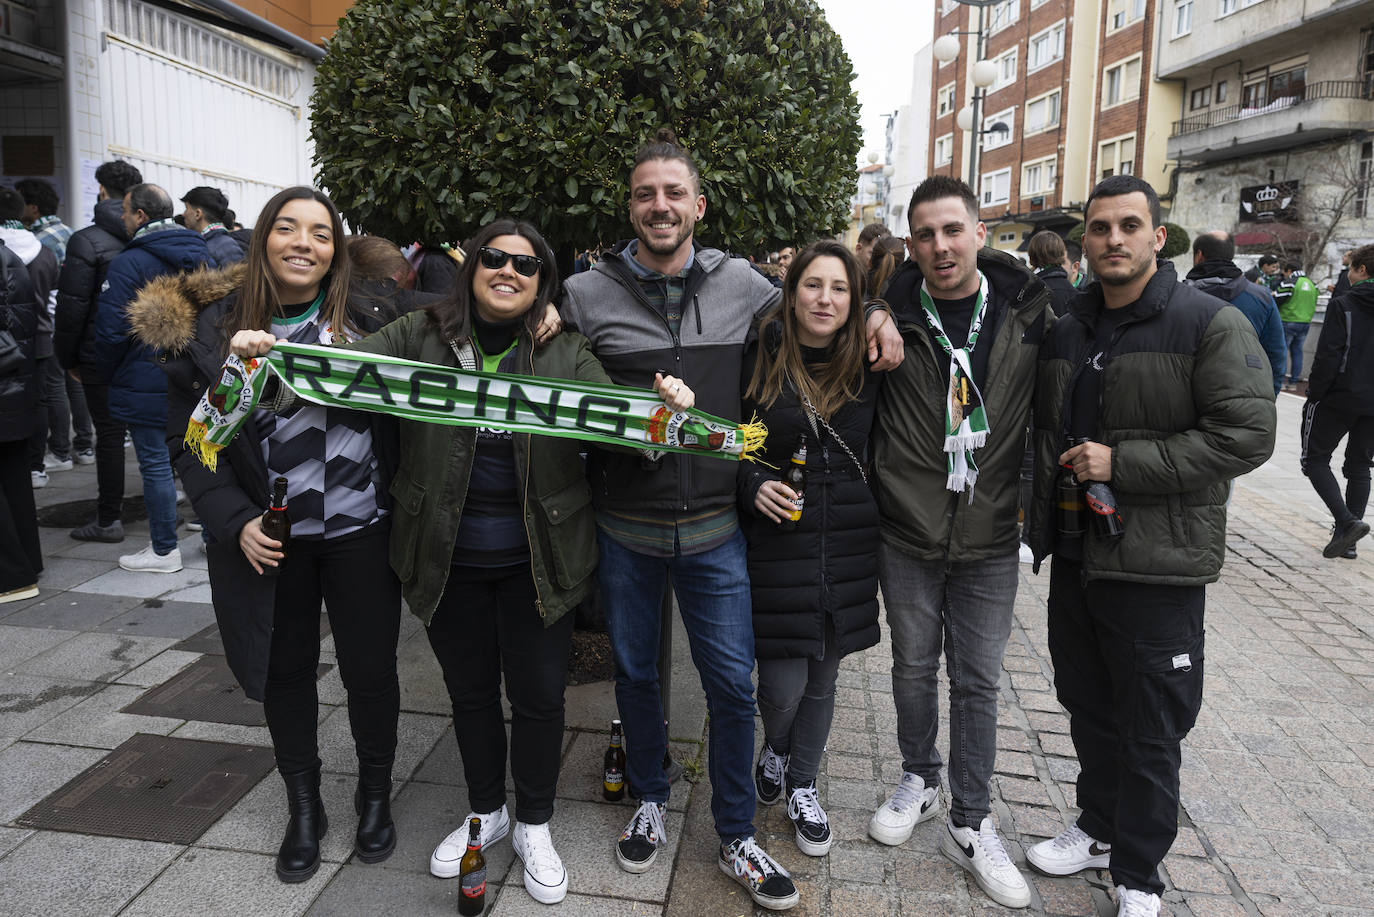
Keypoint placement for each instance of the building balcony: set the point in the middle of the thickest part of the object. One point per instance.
(1317, 112)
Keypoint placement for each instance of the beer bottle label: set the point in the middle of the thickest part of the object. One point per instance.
(475, 883)
(797, 505)
(614, 781)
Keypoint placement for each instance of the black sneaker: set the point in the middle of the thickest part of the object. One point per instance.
(94, 531)
(808, 818)
(1343, 537)
(768, 883)
(768, 775)
(1350, 553)
(638, 845)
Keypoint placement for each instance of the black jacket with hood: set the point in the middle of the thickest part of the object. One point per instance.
(89, 253)
(1342, 374)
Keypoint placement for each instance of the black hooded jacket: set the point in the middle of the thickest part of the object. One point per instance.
(1342, 374)
(1062, 291)
(19, 316)
(89, 253)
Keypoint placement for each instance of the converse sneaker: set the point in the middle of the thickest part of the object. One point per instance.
(768, 775)
(94, 531)
(545, 878)
(981, 853)
(84, 457)
(912, 803)
(444, 861)
(768, 883)
(1132, 902)
(53, 463)
(16, 595)
(808, 818)
(1072, 851)
(38, 479)
(149, 561)
(638, 845)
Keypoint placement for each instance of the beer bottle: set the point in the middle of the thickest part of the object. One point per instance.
(613, 776)
(1106, 518)
(472, 873)
(276, 524)
(795, 478)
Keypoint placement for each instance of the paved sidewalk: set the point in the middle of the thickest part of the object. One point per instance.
(1276, 789)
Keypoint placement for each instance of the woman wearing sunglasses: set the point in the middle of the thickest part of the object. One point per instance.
(494, 540)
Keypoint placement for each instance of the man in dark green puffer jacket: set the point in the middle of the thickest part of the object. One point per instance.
(1170, 396)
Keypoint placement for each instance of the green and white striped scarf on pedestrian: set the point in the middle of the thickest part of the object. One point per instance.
(966, 417)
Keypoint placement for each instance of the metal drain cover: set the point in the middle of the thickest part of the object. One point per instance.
(154, 788)
(205, 691)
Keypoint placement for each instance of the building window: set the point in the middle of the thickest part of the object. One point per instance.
(1003, 15)
(1004, 238)
(944, 101)
(1221, 92)
(944, 150)
(1116, 157)
(1367, 55)
(1262, 89)
(1200, 98)
(1037, 177)
(1006, 70)
(1043, 113)
(1036, 4)
(993, 140)
(1365, 173)
(1121, 82)
(996, 187)
(948, 6)
(1183, 17)
(1045, 47)
(1121, 13)
(1230, 6)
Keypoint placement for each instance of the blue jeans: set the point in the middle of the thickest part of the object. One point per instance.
(1295, 335)
(159, 493)
(967, 609)
(712, 592)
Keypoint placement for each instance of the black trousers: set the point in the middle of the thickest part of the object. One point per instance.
(1128, 668)
(21, 559)
(1322, 429)
(352, 576)
(109, 454)
(487, 622)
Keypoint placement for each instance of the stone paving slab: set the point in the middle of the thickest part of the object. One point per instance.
(71, 611)
(97, 722)
(77, 875)
(210, 883)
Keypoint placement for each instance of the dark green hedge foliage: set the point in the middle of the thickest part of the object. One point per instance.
(1176, 242)
(430, 117)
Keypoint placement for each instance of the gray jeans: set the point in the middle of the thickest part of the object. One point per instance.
(797, 702)
(967, 609)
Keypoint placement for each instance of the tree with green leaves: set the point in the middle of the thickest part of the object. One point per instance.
(431, 117)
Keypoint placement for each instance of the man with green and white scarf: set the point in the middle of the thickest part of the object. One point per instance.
(947, 448)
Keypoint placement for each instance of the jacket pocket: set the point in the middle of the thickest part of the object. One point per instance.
(1168, 688)
(408, 499)
(571, 532)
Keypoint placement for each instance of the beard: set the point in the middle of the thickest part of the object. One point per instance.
(658, 245)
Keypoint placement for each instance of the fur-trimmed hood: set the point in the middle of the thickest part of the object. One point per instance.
(163, 314)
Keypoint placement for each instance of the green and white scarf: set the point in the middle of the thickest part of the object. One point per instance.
(966, 417)
(429, 393)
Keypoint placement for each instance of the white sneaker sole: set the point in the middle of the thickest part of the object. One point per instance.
(450, 869)
(1067, 868)
(894, 837)
(811, 848)
(135, 569)
(772, 904)
(539, 891)
(630, 865)
(950, 848)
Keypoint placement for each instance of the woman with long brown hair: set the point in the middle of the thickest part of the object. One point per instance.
(338, 465)
(814, 582)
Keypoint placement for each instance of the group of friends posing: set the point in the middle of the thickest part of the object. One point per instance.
(914, 410)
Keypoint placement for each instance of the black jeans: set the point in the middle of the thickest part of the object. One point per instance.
(1128, 668)
(487, 622)
(109, 454)
(1322, 429)
(21, 560)
(353, 578)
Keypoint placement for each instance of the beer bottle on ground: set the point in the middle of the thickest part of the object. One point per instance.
(276, 524)
(795, 478)
(613, 776)
(472, 873)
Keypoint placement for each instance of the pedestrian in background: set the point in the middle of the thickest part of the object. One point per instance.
(40, 216)
(89, 254)
(1167, 394)
(207, 210)
(21, 559)
(863, 246)
(888, 254)
(1216, 274)
(1340, 403)
(1296, 296)
(813, 584)
(1050, 261)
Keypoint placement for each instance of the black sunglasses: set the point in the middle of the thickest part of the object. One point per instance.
(493, 259)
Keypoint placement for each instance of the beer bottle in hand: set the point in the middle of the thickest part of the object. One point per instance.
(276, 524)
(613, 775)
(795, 478)
(472, 873)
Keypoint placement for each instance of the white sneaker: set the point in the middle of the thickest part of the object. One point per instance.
(53, 463)
(982, 854)
(38, 479)
(912, 803)
(1072, 851)
(444, 861)
(1133, 902)
(84, 457)
(1027, 556)
(149, 561)
(545, 878)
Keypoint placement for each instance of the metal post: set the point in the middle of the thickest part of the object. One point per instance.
(976, 135)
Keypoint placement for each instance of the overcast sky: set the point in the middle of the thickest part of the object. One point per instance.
(881, 36)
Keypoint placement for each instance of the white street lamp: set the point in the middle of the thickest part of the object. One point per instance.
(965, 118)
(984, 74)
(946, 48)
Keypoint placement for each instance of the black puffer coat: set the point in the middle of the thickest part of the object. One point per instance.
(19, 316)
(89, 253)
(828, 564)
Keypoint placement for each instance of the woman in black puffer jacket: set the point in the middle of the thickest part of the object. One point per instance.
(815, 585)
(20, 557)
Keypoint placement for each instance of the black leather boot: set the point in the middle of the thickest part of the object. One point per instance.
(376, 831)
(299, 856)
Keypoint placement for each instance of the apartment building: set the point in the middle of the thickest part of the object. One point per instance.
(1073, 102)
(1275, 131)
